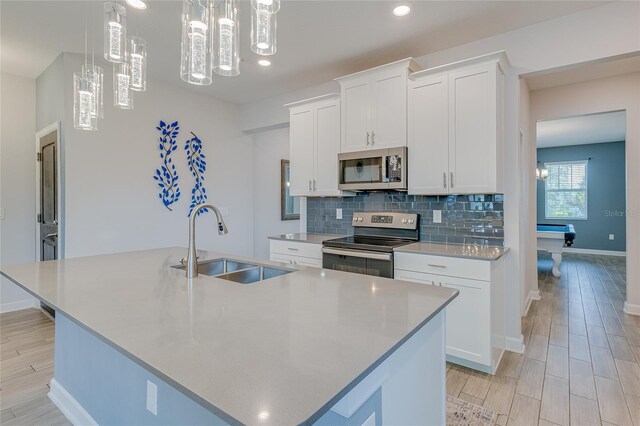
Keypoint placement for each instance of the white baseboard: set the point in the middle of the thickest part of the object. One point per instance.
(514, 345)
(631, 309)
(69, 406)
(19, 305)
(592, 251)
(533, 295)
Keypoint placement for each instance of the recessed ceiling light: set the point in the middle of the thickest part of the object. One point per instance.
(264, 62)
(137, 4)
(402, 8)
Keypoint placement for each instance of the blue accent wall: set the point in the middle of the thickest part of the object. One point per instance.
(606, 194)
(466, 219)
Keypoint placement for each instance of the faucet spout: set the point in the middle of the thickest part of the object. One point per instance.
(192, 260)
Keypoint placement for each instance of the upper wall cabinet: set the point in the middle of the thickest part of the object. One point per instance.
(314, 146)
(374, 107)
(455, 127)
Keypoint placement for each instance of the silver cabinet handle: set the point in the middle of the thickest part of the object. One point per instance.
(373, 137)
(309, 184)
(433, 265)
(368, 139)
(444, 180)
(54, 234)
(292, 249)
(314, 185)
(452, 179)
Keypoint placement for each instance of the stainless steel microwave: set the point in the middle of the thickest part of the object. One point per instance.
(373, 170)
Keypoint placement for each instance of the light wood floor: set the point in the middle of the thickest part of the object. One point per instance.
(581, 362)
(581, 366)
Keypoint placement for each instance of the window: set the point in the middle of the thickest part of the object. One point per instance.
(566, 190)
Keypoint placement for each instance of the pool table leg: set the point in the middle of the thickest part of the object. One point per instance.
(557, 259)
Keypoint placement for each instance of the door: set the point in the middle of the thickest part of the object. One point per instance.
(327, 147)
(389, 109)
(472, 137)
(429, 136)
(356, 116)
(301, 151)
(48, 214)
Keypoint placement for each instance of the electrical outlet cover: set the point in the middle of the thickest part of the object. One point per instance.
(338, 213)
(152, 397)
(437, 216)
(612, 237)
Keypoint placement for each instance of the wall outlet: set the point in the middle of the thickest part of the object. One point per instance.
(612, 237)
(437, 216)
(152, 397)
(338, 213)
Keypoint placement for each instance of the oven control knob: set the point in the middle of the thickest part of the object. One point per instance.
(355, 218)
(360, 219)
(411, 221)
(404, 221)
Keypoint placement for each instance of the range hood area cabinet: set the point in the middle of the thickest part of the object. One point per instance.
(455, 127)
(314, 134)
(374, 107)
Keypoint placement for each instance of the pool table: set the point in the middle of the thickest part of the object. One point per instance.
(552, 238)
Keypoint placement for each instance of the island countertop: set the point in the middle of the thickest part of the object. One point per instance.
(290, 346)
(466, 251)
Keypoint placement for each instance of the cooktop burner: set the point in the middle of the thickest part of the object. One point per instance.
(367, 243)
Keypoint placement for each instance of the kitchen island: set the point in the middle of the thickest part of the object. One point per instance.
(139, 343)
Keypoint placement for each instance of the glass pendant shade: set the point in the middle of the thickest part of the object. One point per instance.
(226, 60)
(122, 94)
(115, 32)
(197, 39)
(263, 28)
(95, 75)
(137, 53)
(83, 103)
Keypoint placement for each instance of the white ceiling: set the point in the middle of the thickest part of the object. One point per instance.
(317, 40)
(583, 129)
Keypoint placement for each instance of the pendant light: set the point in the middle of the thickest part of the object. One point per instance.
(226, 59)
(197, 35)
(263, 26)
(137, 54)
(95, 75)
(122, 94)
(541, 173)
(115, 32)
(83, 103)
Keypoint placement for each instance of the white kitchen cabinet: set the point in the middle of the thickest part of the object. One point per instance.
(455, 121)
(296, 253)
(475, 319)
(314, 146)
(374, 107)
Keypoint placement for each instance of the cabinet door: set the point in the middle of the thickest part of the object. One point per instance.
(389, 109)
(472, 137)
(356, 99)
(301, 150)
(469, 320)
(429, 136)
(327, 147)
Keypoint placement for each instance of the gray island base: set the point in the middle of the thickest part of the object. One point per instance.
(138, 343)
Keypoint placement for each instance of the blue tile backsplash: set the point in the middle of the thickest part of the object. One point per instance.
(466, 219)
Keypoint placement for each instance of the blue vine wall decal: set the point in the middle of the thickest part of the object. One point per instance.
(167, 176)
(197, 166)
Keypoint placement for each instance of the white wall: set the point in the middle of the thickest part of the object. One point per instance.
(600, 32)
(606, 94)
(111, 199)
(17, 182)
(269, 147)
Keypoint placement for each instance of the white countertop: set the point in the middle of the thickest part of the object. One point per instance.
(468, 251)
(304, 237)
(291, 346)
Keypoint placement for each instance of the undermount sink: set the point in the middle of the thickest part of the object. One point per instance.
(237, 271)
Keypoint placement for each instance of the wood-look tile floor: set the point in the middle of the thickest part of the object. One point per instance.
(581, 366)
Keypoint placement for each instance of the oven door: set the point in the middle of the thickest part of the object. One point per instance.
(358, 261)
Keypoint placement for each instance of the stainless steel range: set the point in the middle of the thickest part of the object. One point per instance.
(370, 250)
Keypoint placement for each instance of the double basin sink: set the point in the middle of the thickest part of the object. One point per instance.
(237, 271)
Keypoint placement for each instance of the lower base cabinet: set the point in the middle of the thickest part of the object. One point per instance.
(296, 253)
(475, 319)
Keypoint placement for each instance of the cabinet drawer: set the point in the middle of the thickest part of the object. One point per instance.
(442, 265)
(296, 260)
(297, 249)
